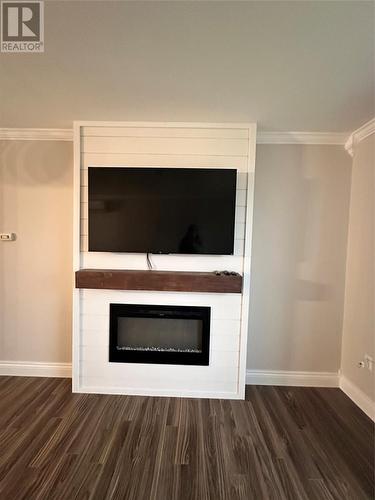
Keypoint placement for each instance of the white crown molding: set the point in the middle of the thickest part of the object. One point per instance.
(293, 378)
(328, 138)
(35, 369)
(358, 135)
(51, 134)
(36, 134)
(366, 404)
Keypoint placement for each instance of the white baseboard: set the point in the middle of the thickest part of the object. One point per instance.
(292, 378)
(253, 377)
(366, 404)
(158, 392)
(35, 369)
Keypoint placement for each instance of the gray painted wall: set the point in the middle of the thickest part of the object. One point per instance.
(298, 260)
(359, 319)
(36, 202)
(300, 230)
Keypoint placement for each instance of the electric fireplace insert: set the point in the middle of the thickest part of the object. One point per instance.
(159, 334)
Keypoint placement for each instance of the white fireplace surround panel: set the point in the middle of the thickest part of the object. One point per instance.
(193, 145)
(220, 376)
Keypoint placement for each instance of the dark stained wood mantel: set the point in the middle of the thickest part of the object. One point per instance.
(166, 281)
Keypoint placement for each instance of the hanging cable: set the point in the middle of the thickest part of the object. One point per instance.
(149, 262)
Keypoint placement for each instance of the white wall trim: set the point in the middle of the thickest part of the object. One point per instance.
(55, 134)
(328, 138)
(253, 377)
(358, 135)
(288, 137)
(366, 404)
(313, 379)
(36, 134)
(160, 392)
(292, 378)
(35, 369)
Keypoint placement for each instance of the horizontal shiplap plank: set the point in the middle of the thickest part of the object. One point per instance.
(240, 216)
(165, 146)
(142, 374)
(225, 343)
(164, 161)
(84, 207)
(239, 231)
(94, 322)
(205, 299)
(84, 178)
(226, 327)
(95, 337)
(241, 180)
(229, 310)
(167, 298)
(250, 183)
(241, 197)
(84, 227)
(239, 246)
(157, 132)
(172, 387)
(84, 245)
(107, 260)
(223, 305)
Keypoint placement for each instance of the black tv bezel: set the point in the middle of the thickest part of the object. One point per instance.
(163, 252)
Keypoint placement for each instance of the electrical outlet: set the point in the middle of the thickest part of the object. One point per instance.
(369, 362)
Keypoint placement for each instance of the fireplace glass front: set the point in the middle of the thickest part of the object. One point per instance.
(159, 334)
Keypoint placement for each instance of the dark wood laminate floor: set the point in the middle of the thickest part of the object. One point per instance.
(295, 443)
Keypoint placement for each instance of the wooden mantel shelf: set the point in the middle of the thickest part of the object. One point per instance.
(166, 281)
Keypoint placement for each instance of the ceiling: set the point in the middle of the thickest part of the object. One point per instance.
(299, 65)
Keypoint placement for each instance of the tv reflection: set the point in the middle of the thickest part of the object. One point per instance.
(192, 241)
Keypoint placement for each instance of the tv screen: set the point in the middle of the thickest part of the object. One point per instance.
(162, 210)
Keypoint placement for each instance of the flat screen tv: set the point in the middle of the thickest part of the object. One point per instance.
(162, 210)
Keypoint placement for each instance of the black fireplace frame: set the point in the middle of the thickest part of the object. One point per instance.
(159, 357)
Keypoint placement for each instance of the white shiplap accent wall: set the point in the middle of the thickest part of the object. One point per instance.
(221, 375)
(163, 145)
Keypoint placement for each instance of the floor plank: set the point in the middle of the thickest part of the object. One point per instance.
(280, 443)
